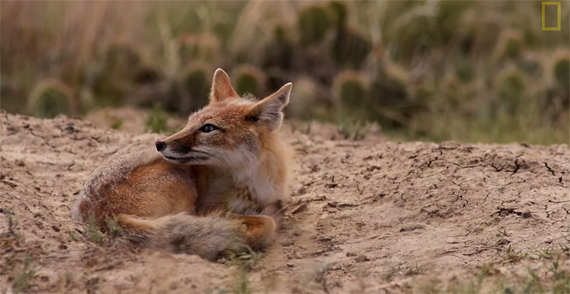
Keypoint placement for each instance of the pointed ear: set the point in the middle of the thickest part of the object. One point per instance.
(269, 111)
(222, 87)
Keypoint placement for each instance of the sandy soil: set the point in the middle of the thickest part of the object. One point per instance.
(371, 216)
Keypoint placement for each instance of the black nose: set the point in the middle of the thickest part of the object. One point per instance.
(160, 146)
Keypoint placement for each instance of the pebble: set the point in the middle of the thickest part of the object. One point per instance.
(362, 258)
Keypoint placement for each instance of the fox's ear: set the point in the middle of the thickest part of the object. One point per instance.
(269, 111)
(222, 87)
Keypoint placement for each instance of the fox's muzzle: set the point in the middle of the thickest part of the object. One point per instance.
(177, 153)
(160, 145)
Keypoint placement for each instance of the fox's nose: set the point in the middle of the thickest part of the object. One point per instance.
(160, 146)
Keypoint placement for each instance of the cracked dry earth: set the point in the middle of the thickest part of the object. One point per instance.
(370, 216)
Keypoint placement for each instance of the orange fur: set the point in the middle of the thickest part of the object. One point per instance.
(228, 158)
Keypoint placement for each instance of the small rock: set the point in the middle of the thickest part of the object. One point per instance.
(287, 243)
(411, 228)
(290, 264)
(526, 214)
(70, 129)
(361, 258)
(299, 189)
(503, 241)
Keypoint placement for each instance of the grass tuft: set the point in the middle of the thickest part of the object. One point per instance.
(93, 233)
(157, 120)
(354, 129)
(114, 228)
(117, 123)
(244, 263)
(22, 280)
(513, 255)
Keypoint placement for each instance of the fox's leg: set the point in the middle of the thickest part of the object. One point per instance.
(258, 229)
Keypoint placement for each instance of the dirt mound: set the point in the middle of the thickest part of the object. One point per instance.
(369, 216)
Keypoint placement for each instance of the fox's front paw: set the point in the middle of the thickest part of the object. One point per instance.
(257, 229)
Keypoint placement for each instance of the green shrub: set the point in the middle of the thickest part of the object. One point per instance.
(156, 120)
(350, 91)
(561, 68)
(248, 79)
(308, 101)
(50, 98)
(510, 45)
(313, 23)
(350, 48)
(464, 68)
(390, 99)
(196, 84)
(532, 65)
(147, 74)
(112, 78)
(511, 89)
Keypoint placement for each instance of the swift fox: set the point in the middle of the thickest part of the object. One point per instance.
(215, 186)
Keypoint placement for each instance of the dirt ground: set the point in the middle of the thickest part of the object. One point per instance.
(370, 216)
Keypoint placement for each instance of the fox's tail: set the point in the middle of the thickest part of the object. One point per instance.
(207, 236)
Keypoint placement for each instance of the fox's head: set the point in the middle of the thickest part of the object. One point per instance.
(229, 131)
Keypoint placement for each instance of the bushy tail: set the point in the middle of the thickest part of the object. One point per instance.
(207, 236)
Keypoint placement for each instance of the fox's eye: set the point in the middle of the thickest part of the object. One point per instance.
(208, 128)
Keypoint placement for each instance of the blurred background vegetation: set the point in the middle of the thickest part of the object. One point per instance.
(479, 71)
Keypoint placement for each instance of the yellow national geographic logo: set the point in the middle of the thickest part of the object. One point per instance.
(558, 10)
